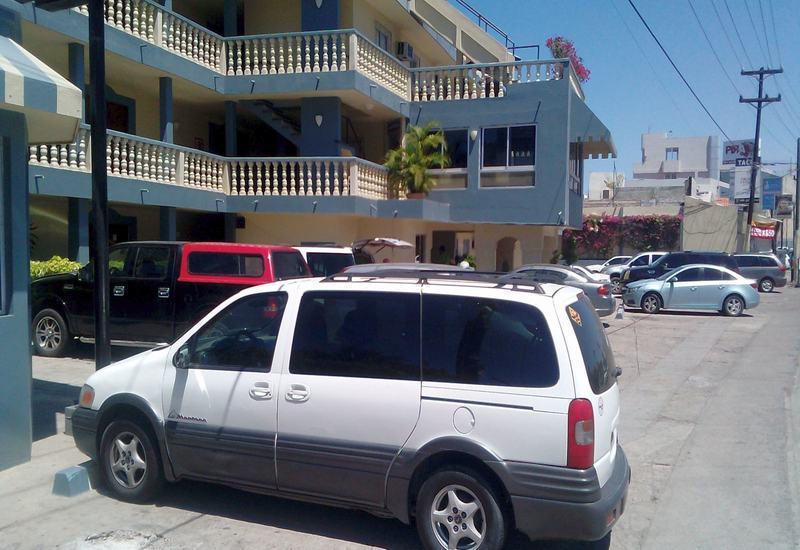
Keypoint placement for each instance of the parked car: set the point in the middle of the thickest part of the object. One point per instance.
(157, 290)
(468, 406)
(592, 276)
(599, 293)
(670, 261)
(616, 260)
(615, 272)
(767, 269)
(694, 286)
(327, 260)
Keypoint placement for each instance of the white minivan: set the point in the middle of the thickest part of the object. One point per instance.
(468, 403)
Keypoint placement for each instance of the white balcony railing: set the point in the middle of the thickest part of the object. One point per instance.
(479, 81)
(319, 52)
(143, 159)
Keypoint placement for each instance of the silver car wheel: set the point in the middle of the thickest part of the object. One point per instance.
(616, 287)
(766, 285)
(457, 518)
(126, 457)
(650, 303)
(734, 306)
(48, 333)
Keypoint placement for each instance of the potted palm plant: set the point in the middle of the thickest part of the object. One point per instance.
(423, 148)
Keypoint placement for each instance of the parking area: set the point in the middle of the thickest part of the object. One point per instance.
(709, 409)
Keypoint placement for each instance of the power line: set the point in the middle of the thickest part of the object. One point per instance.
(727, 36)
(713, 49)
(755, 33)
(663, 86)
(764, 27)
(736, 30)
(678, 71)
(794, 98)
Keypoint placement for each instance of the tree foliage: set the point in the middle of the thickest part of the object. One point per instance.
(423, 149)
(602, 236)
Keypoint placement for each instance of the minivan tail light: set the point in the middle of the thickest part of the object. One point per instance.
(603, 290)
(580, 437)
(782, 268)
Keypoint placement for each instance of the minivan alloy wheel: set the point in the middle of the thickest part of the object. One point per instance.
(616, 287)
(127, 459)
(48, 333)
(457, 518)
(766, 285)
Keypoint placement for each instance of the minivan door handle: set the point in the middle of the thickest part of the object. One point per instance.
(261, 391)
(298, 393)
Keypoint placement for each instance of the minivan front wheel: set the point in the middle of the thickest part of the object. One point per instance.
(457, 508)
(130, 462)
(766, 285)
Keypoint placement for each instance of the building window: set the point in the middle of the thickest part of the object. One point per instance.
(672, 153)
(508, 156)
(457, 148)
(383, 38)
(670, 176)
(606, 194)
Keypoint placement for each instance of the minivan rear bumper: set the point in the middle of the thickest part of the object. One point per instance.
(541, 518)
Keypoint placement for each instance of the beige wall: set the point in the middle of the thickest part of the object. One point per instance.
(275, 16)
(147, 219)
(191, 122)
(48, 220)
(296, 228)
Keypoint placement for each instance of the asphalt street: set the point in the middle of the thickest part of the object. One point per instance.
(710, 421)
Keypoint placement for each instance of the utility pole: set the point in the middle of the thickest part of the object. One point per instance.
(756, 162)
(796, 214)
(97, 67)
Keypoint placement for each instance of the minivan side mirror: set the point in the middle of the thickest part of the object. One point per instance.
(181, 358)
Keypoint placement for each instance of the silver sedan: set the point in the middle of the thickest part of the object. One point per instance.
(599, 293)
(694, 286)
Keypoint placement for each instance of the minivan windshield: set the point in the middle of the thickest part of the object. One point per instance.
(596, 351)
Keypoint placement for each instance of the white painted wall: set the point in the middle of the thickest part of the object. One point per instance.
(697, 156)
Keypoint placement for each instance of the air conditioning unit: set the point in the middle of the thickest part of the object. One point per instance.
(405, 51)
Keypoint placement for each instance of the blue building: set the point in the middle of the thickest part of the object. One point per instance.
(269, 120)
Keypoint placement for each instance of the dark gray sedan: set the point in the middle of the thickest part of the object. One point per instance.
(599, 293)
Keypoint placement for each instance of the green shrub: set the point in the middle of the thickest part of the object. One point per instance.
(53, 266)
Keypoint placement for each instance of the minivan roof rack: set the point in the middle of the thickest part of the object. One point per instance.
(498, 280)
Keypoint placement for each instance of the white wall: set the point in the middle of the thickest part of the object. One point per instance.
(693, 156)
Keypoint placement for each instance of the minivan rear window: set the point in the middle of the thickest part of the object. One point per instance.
(226, 264)
(597, 355)
(481, 341)
(323, 264)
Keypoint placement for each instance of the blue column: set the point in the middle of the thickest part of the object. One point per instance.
(168, 227)
(78, 229)
(231, 145)
(231, 18)
(10, 25)
(323, 139)
(77, 70)
(320, 18)
(166, 115)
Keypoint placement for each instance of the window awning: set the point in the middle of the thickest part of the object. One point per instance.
(587, 129)
(52, 105)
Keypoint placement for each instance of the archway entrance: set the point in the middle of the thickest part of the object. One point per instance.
(508, 255)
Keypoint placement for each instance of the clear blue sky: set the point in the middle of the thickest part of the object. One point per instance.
(632, 98)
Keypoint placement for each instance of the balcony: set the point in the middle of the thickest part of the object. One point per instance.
(322, 52)
(139, 159)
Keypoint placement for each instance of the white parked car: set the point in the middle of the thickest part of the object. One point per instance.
(592, 276)
(616, 260)
(466, 402)
(327, 260)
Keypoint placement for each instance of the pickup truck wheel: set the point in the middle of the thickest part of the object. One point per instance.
(130, 463)
(457, 508)
(50, 334)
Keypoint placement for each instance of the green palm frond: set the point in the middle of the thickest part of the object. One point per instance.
(423, 148)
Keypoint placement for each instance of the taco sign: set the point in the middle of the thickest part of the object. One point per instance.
(738, 153)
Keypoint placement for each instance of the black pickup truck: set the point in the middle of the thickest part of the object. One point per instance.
(158, 290)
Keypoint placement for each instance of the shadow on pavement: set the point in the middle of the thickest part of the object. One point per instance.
(79, 350)
(349, 526)
(50, 398)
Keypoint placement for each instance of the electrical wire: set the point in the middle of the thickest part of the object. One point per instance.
(736, 30)
(674, 66)
(755, 33)
(663, 87)
(713, 49)
(790, 101)
(727, 36)
(764, 28)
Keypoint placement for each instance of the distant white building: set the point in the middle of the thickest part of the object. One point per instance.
(602, 185)
(668, 158)
(707, 189)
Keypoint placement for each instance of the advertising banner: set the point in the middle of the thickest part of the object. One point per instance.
(784, 206)
(762, 231)
(772, 186)
(738, 152)
(741, 188)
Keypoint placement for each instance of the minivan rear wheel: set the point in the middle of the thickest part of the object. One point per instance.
(458, 508)
(616, 286)
(766, 285)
